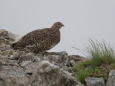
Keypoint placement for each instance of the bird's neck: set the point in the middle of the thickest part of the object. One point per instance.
(54, 29)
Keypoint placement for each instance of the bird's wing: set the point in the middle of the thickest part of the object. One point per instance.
(39, 36)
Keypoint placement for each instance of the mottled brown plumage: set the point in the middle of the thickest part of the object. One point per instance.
(40, 40)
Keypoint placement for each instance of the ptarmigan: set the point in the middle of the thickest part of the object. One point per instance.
(40, 40)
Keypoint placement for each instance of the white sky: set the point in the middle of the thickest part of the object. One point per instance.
(83, 19)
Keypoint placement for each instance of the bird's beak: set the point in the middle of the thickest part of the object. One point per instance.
(62, 25)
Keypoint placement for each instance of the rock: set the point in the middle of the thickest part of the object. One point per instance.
(26, 57)
(12, 76)
(70, 69)
(76, 58)
(69, 64)
(17, 54)
(31, 68)
(57, 58)
(111, 79)
(7, 62)
(7, 35)
(50, 75)
(36, 59)
(58, 53)
(72, 62)
(24, 68)
(24, 63)
(94, 81)
(79, 84)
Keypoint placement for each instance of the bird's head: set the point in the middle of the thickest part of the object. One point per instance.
(57, 25)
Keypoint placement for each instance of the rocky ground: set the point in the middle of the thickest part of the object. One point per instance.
(24, 68)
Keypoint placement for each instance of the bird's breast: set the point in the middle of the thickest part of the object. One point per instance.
(55, 37)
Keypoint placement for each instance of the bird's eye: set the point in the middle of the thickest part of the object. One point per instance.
(58, 24)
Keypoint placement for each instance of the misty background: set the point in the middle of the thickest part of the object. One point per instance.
(83, 19)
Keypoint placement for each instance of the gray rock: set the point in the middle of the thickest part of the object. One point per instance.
(26, 57)
(12, 36)
(12, 76)
(73, 62)
(24, 63)
(7, 35)
(94, 81)
(70, 69)
(65, 68)
(36, 59)
(31, 68)
(80, 84)
(57, 58)
(7, 62)
(76, 58)
(64, 53)
(111, 79)
(50, 75)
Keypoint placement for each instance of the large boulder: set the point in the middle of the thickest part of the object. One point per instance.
(50, 75)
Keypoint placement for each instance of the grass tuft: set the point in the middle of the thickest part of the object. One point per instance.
(101, 59)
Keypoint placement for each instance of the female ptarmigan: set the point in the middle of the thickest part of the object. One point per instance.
(40, 40)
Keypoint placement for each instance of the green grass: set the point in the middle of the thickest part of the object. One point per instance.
(101, 59)
(112, 65)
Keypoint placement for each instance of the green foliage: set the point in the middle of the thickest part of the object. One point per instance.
(91, 71)
(101, 59)
(100, 53)
(81, 75)
(112, 65)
